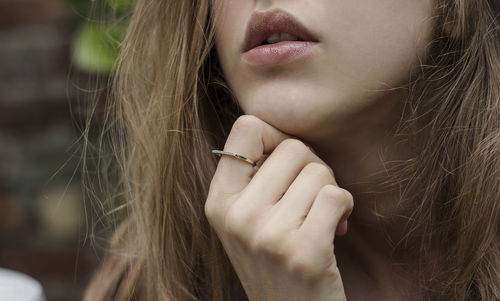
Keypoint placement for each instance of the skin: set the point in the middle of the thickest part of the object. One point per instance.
(342, 100)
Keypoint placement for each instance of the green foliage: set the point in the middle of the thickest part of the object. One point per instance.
(120, 5)
(98, 41)
(81, 7)
(96, 47)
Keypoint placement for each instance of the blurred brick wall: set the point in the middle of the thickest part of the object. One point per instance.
(42, 225)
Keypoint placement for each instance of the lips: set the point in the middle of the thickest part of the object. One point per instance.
(263, 24)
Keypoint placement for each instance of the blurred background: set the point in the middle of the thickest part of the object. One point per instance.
(56, 58)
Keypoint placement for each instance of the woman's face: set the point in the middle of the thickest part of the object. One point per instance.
(365, 49)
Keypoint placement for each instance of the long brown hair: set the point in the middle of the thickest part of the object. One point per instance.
(170, 106)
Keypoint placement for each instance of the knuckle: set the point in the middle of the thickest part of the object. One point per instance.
(349, 197)
(331, 172)
(333, 273)
(292, 143)
(337, 194)
(246, 123)
(304, 267)
(266, 242)
(294, 146)
(317, 169)
(212, 207)
(210, 210)
(269, 244)
(236, 223)
(332, 191)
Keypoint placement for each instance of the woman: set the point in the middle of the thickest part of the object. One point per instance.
(374, 125)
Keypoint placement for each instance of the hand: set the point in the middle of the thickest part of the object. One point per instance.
(277, 222)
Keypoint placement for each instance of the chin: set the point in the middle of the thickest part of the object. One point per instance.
(283, 118)
(304, 110)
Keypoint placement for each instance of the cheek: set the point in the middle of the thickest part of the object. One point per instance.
(377, 40)
(231, 17)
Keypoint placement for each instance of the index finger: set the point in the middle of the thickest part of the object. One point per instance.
(249, 137)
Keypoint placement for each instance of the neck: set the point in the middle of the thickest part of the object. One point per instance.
(359, 149)
(358, 154)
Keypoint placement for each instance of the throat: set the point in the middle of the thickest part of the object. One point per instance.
(374, 273)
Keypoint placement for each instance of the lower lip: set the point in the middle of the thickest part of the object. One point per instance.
(278, 53)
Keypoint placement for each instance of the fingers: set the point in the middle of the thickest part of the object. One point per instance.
(281, 168)
(332, 207)
(249, 137)
(296, 203)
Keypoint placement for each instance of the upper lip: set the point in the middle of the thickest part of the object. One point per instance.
(263, 24)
